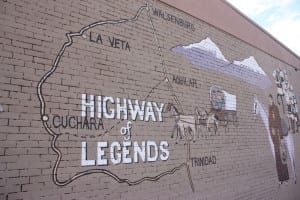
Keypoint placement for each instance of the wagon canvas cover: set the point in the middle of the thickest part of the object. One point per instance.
(230, 101)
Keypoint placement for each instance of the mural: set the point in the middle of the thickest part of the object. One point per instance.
(223, 105)
(222, 111)
(259, 109)
(280, 139)
(127, 112)
(287, 98)
(276, 132)
(206, 54)
(97, 108)
(185, 125)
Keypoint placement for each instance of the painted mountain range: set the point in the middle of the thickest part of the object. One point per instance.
(206, 54)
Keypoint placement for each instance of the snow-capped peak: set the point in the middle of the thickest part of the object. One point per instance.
(251, 64)
(207, 45)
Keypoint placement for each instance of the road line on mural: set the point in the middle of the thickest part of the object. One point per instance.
(55, 136)
(166, 79)
(170, 87)
(102, 171)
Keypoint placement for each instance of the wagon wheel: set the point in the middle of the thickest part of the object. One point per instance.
(215, 128)
(226, 123)
(212, 127)
(188, 134)
(198, 127)
(235, 121)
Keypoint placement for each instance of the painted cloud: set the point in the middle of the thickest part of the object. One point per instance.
(206, 54)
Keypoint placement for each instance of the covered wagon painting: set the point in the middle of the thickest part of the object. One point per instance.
(222, 110)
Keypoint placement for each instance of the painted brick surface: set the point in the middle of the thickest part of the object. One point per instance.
(217, 135)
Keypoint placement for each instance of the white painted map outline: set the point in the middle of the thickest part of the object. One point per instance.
(45, 117)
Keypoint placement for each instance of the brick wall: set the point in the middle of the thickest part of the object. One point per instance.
(56, 54)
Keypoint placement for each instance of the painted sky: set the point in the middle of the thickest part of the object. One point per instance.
(206, 54)
(281, 18)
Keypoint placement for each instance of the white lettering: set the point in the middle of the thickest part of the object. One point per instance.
(137, 109)
(114, 154)
(107, 115)
(126, 152)
(84, 161)
(99, 107)
(164, 151)
(149, 112)
(159, 110)
(154, 157)
(85, 105)
(121, 108)
(147, 151)
(101, 153)
(139, 152)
